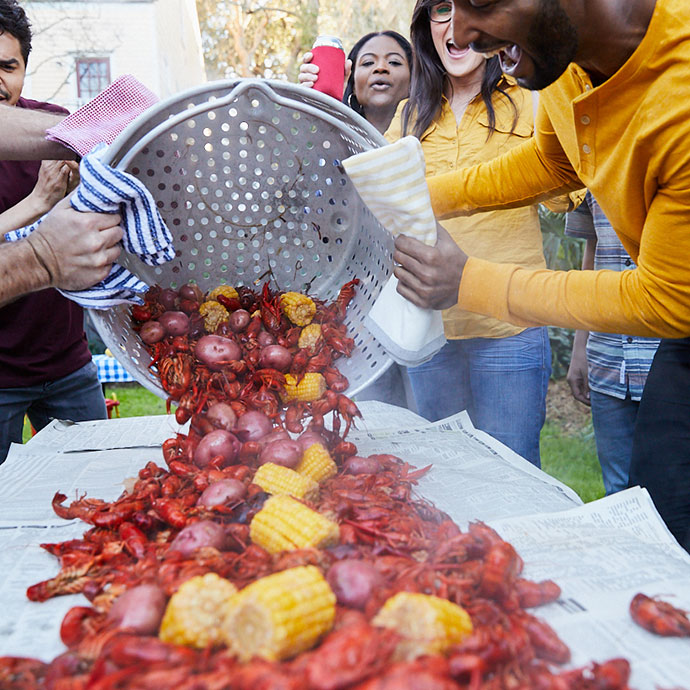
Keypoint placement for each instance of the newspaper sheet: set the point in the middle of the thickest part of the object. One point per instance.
(129, 432)
(600, 553)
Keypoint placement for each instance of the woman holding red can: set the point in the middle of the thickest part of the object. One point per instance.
(376, 76)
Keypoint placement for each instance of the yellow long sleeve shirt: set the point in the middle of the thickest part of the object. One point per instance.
(628, 141)
(510, 236)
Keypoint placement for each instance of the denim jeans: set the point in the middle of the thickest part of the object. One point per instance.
(614, 424)
(77, 396)
(661, 444)
(392, 387)
(501, 382)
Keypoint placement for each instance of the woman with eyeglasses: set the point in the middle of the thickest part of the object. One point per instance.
(465, 111)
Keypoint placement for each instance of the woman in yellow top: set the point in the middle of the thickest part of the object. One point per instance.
(464, 111)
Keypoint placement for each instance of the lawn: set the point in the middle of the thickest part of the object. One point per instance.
(567, 443)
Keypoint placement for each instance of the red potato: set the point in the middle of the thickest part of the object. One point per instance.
(265, 338)
(139, 609)
(283, 452)
(191, 292)
(174, 322)
(275, 357)
(221, 493)
(309, 438)
(215, 351)
(359, 465)
(151, 332)
(353, 582)
(252, 426)
(275, 435)
(222, 416)
(239, 320)
(168, 298)
(198, 535)
(218, 442)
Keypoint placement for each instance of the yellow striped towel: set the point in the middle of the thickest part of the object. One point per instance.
(391, 182)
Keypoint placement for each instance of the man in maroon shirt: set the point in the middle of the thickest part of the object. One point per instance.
(45, 364)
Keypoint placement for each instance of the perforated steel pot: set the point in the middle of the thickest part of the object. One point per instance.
(247, 176)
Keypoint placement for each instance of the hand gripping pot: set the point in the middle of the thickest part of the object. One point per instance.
(247, 176)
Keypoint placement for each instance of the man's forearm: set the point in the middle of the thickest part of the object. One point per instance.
(23, 135)
(21, 271)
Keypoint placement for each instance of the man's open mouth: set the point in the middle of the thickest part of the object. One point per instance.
(509, 57)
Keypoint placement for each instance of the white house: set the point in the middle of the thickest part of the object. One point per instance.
(79, 48)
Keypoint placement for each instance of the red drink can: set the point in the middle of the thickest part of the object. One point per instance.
(329, 55)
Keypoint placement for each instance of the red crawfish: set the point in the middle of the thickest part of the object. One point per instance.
(659, 617)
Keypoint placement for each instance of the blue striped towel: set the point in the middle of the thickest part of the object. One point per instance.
(103, 189)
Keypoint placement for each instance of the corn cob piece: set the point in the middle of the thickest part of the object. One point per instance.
(225, 290)
(311, 387)
(427, 624)
(317, 463)
(284, 524)
(275, 479)
(309, 336)
(214, 314)
(299, 308)
(279, 615)
(194, 613)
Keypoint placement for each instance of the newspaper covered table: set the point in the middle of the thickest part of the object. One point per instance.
(601, 553)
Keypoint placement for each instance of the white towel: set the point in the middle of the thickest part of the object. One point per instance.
(391, 182)
(105, 190)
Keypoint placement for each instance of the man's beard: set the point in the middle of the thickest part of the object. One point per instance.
(553, 44)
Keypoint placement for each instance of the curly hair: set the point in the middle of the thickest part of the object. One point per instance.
(349, 97)
(13, 21)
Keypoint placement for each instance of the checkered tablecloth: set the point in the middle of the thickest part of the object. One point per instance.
(110, 370)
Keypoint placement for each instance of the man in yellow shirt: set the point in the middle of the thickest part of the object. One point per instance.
(614, 116)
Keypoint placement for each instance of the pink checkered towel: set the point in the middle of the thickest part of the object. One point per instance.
(103, 118)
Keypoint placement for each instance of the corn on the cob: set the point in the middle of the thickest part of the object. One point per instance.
(299, 308)
(275, 479)
(284, 524)
(309, 336)
(311, 387)
(195, 611)
(225, 290)
(279, 615)
(317, 463)
(214, 314)
(427, 624)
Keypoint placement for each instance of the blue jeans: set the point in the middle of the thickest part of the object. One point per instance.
(501, 382)
(614, 424)
(77, 396)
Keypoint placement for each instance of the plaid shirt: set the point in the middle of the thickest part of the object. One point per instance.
(618, 364)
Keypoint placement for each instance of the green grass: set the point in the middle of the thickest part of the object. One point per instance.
(572, 458)
(569, 456)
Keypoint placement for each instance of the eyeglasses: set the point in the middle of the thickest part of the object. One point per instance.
(441, 12)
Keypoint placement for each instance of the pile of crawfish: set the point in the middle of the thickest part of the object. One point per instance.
(411, 545)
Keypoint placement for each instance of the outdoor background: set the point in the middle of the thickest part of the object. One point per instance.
(79, 48)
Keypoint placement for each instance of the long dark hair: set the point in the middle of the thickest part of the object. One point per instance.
(349, 97)
(429, 79)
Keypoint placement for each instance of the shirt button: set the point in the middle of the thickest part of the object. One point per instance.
(585, 120)
(628, 339)
(587, 87)
(586, 148)
(628, 262)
